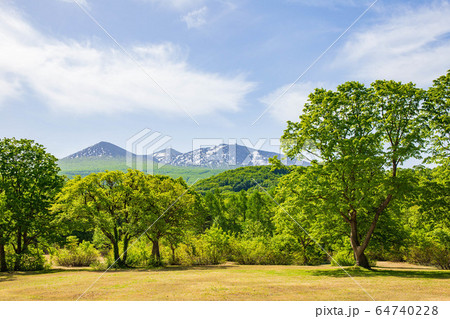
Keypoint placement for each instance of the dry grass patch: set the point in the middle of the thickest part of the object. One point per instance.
(389, 281)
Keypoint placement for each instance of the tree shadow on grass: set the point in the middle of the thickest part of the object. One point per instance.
(6, 277)
(358, 272)
(10, 276)
(180, 268)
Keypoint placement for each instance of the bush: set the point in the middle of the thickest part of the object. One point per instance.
(396, 254)
(32, 260)
(140, 255)
(76, 255)
(343, 258)
(101, 242)
(250, 251)
(210, 248)
(277, 250)
(431, 249)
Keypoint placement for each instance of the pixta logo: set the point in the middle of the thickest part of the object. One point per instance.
(141, 149)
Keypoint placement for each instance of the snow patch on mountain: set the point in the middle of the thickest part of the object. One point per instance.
(220, 156)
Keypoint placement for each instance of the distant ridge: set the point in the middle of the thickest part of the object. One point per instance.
(233, 155)
(220, 156)
(102, 149)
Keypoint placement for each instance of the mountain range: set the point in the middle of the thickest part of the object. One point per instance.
(220, 156)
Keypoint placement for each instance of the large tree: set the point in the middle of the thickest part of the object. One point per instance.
(124, 206)
(103, 201)
(29, 182)
(176, 209)
(360, 135)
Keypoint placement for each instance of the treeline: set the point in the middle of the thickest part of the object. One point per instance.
(353, 205)
(137, 220)
(242, 178)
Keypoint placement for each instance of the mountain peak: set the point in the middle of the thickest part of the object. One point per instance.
(223, 155)
(102, 149)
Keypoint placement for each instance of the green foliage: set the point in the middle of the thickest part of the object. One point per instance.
(242, 178)
(429, 239)
(29, 182)
(431, 249)
(76, 255)
(302, 215)
(140, 254)
(123, 205)
(234, 212)
(433, 195)
(276, 250)
(251, 251)
(31, 260)
(210, 248)
(361, 136)
(437, 106)
(101, 242)
(343, 258)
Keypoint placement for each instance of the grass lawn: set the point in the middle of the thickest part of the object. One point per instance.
(388, 281)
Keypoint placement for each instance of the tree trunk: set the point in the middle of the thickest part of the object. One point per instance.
(358, 250)
(18, 251)
(156, 255)
(125, 251)
(3, 266)
(172, 247)
(116, 253)
(362, 261)
(116, 241)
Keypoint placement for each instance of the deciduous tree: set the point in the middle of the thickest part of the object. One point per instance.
(361, 136)
(29, 182)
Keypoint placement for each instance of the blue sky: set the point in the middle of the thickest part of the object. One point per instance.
(218, 64)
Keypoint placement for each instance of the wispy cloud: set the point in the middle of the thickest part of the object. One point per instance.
(176, 4)
(410, 45)
(71, 76)
(290, 105)
(196, 18)
(331, 3)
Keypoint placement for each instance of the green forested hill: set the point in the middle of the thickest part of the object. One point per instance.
(222, 179)
(241, 178)
(86, 166)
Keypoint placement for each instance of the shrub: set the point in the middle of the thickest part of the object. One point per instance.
(101, 242)
(250, 251)
(32, 260)
(140, 255)
(343, 258)
(277, 250)
(431, 248)
(210, 248)
(76, 255)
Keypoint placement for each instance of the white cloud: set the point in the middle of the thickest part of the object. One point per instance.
(331, 3)
(196, 18)
(80, 78)
(411, 45)
(290, 105)
(177, 4)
